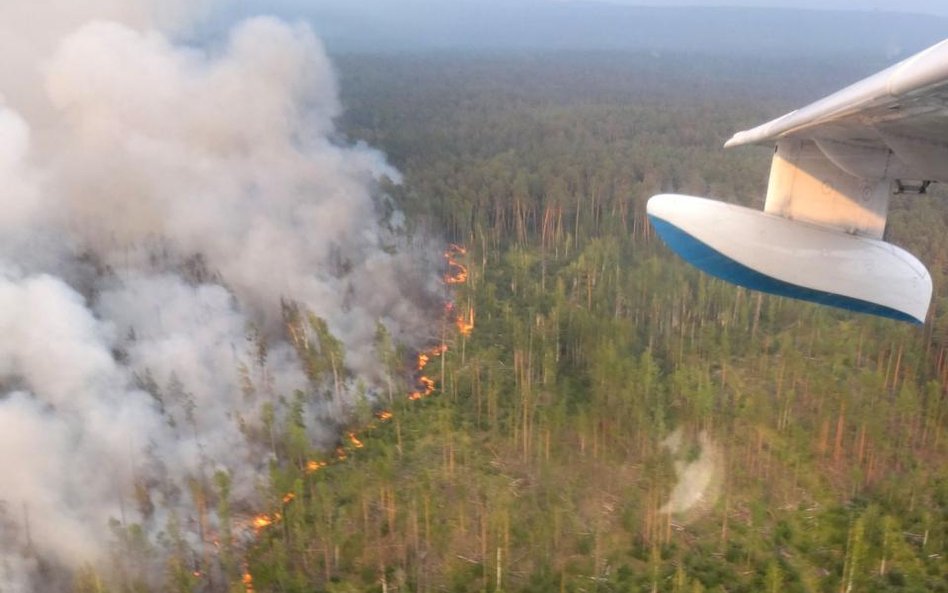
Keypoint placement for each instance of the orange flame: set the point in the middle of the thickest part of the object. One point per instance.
(427, 383)
(312, 465)
(427, 386)
(247, 580)
(465, 326)
(425, 357)
(422, 361)
(457, 272)
(263, 520)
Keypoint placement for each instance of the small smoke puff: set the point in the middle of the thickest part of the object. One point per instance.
(699, 479)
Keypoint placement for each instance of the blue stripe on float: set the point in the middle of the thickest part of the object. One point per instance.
(717, 264)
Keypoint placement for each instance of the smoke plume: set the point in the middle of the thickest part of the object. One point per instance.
(160, 205)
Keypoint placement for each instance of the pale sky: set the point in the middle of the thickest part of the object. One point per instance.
(937, 7)
(398, 25)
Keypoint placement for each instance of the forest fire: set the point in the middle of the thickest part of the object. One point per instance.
(264, 520)
(428, 384)
(465, 324)
(422, 361)
(247, 580)
(424, 386)
(312, 466)
(457, 272)
(425, 357)
(427, 387)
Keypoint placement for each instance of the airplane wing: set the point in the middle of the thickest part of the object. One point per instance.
(836, 163)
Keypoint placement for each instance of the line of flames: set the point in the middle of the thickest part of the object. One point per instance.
(425, 387)
(457, 273)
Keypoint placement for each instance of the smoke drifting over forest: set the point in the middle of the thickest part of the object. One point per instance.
(159, 202)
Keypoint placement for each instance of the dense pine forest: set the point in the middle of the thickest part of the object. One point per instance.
(616, 420)
(546, 457)
(543, 461)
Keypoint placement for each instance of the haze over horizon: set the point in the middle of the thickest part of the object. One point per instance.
(933, 7)
(879, 29)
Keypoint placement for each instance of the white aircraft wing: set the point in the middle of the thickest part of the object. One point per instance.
(836, 163)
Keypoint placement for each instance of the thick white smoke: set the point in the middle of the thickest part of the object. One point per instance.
(158, 202)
